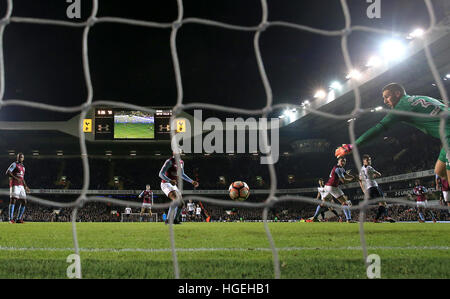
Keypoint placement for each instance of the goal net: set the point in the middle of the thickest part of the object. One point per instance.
(266, 107)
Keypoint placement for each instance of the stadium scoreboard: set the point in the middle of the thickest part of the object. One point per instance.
(123, 124)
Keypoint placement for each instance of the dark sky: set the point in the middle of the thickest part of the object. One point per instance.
(133, 64)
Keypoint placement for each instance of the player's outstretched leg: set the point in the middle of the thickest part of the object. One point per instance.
(316, 214)
(335, 213)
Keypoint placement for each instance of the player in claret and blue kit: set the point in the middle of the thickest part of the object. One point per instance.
(321, 208)
(339, 176)
(147, 195)
(18, 188)
(169, 177)
(421, 200)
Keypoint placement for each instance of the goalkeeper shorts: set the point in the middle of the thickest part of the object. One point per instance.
(444, 157)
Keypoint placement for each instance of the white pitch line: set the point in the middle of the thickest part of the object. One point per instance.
(150, 250)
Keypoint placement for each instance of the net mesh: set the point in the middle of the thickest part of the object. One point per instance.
(272, 199)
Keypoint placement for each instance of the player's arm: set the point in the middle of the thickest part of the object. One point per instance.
(10, 170)
(374, 172)
(140, 195)
(318, 196)
(188, 179)
(27, 189)
(379, 128)
(377, 174)
(369, 135)
(361, 185)
(341, 175)
(348, 177)
(162, 173)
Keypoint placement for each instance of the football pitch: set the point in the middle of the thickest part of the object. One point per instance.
(134, 131)
(224, 250)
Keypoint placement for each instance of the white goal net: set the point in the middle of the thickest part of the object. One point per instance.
(266, 107)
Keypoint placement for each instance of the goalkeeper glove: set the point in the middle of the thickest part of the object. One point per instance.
(343, 150)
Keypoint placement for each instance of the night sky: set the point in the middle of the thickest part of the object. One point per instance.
(134, 64)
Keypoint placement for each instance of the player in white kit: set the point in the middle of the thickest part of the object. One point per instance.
(198, 213)
(190, 210)
(370, 186)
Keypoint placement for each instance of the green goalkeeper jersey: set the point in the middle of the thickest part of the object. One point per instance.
(417, 104)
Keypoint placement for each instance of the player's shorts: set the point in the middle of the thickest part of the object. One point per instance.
(334, 191)
(17, 192)
(147, 205)
(326, 197)
(421, 204)
(444, 157)
(446, 195)
(168, 187)
(375, 192)
(191, 213)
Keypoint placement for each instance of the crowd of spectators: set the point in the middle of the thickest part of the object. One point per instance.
(282, 212)
(217, 172)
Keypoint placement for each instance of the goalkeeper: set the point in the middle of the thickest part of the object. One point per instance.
(395, 97)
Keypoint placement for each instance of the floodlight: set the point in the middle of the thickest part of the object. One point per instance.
(393, 50)
(320, 94)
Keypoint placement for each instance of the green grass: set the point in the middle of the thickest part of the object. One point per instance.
(134, 131)
(240, 250)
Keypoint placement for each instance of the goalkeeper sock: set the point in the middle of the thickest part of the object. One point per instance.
(11, 211)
